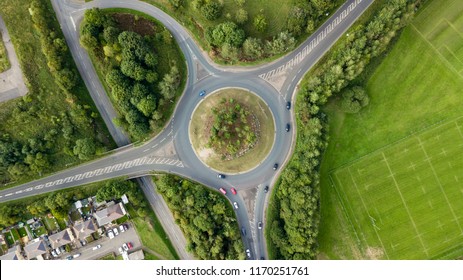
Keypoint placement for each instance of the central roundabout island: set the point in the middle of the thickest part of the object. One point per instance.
(232, 130)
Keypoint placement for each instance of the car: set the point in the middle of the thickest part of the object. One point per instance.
(275, 166)
(287, 127)
(53, 253)
(76, 255)
(222, 190)
(126, 227)
(121, 250)
(111, 235)
(116, 232)
(288, 105)
(262, 258)
(259, 225)
(121, 228)
(233, 191)
(202, 93)
(129, 244)
(243, 231)
(69, 258)
(96, 247)
(266, 189)
(125, 247)
(248, 253)
(220, 176)
(235, 204)
(58, 251)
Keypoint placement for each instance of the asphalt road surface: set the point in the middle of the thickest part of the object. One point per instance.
(171, 151)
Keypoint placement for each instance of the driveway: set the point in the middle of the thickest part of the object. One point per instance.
(108, 245)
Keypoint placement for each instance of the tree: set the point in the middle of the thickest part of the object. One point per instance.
(241, 16)
(169, 85)
(297, 20)
(177, 4)
(211, 10)
(253, 48)
(225, 33)
(260, 22)
(85, 148)
(110, 34)
(354, 99)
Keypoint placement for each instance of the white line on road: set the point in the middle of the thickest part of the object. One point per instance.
(154, 146)
(9, 194)
(163, 140)
(146, 150)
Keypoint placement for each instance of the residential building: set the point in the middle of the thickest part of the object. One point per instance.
(109, 214)
(36, 249)
(14, 253)
(84, 229)
(61, 238)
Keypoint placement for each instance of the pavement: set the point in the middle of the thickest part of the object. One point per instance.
(275, 83)
(12, 80)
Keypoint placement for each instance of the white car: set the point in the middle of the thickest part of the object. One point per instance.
(116, 232)
(53, 253)
(248, 253)
(124, 246)
(110, 235)
(58, 251)
(235, 204)
(76, 255)
(96, 247)
(121, 250)
(121, 228)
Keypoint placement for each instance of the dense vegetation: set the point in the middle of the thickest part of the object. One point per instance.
(4, 62)
(240, 30)
(205, 217)
(51, 119)
(129, 61)
(295, 216)
(233, 131)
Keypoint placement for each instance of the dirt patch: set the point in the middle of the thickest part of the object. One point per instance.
(140, 25)
(374, 253)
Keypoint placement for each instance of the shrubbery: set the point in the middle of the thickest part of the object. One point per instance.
(205, 217)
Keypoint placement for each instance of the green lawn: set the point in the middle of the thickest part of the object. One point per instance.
(9, 238)
(412, 88)
(4, 62)
(15, 234)
(22, 232)
(50, 224)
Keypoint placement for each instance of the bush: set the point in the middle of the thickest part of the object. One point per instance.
(354, 99)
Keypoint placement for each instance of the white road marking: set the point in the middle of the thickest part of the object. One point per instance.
(8, 194)
(146, 150)
(154, 146)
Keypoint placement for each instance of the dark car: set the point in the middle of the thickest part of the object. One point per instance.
(266, 189)
(275, 166)
(221, 176)
(288, 105)
(243, 231)
(259, 225)
(287, 127)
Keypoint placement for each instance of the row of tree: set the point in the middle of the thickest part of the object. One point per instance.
(54, 47)
(129, 63)
(205, 217)
(294, 230)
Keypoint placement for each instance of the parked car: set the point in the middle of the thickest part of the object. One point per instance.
(125, 247)
(275, 166)
(220, 176)
(126, 227)
(76, 255)
(53, 253)
(243, 231)
(259, 225)
(58, 251)
(288, 105)
(116, 232)
(222, 190)
(110, 234)
(248, 253)
(235, 204)
(266, 189)
(69, 258)
(129, 244)
(121, 228)
(287, 127)
(233, 191)
(96, 247)
(121, 250)
(202, 93)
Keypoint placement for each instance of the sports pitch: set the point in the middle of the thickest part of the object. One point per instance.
(405, 201)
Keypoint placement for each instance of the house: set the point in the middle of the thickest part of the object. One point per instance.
(83, 229)
(14, 253)
(35, 249)
(61, 238)
(78, 204)
(109, 214)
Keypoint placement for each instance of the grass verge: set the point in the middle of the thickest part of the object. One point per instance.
(4, 62)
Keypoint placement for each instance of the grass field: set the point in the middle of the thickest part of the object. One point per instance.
(411, 89)
(406, 201)
(4, 62)
(254, 156)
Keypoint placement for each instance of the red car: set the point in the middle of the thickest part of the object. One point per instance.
(129, 245)
(223, 190)
(233, 190)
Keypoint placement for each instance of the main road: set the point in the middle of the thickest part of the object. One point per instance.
(170, 151)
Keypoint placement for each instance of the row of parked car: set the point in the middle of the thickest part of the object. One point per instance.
(113, 232)
(125, 247)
